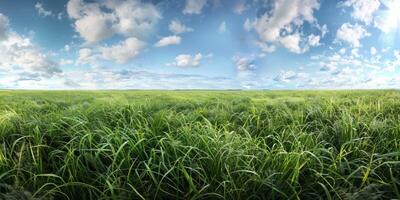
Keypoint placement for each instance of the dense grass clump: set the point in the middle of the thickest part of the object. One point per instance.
(200, 145)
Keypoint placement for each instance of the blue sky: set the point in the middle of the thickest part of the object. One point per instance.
(199, 44)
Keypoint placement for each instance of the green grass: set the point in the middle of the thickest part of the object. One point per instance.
(200, 145)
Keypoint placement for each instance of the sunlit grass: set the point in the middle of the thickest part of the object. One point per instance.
(200, 144)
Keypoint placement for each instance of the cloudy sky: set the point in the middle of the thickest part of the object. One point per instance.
(199, 44)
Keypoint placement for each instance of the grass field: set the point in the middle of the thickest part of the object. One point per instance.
(200, 144)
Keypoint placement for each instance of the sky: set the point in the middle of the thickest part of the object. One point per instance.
(199, 44)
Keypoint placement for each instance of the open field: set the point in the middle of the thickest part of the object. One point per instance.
(200, 144)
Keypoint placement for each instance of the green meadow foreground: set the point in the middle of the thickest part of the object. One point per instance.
(200, 144)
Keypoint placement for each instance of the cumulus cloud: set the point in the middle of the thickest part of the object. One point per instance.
(169, 40)
(244, 63)
(97, 21)
(283, 22)
(94, 27)
(134, 17)
(177, 27)
(194, 6)
(286, 15)
(86, 56)
(34, 61)
(21, 57)
(222, 27)
(245, 66)
(187, 61)
(351, 34)
(313, 40)
(363, 10)
(121, 52)
(292, 42)
(124, 51)
(42, 12)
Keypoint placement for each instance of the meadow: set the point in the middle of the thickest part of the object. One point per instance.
(200, 144)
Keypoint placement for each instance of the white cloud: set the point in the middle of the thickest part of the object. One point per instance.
(344, 72)
(363, 10)
(324, 30)
(176, 27)
(342, 51)
(121, 53)
(187, 61)
(388, 19)
(351, 34)
(34, 61)
(292, 42)
(3, 27)
(22, 59)
(104, 78)
(67, 47)
(331, 66)
(86, 56)
(244, 63)
(240, 6)
(194, 6)
(169, 40)
(20, 55)
(100, 20)
(397, 55)
(76, 8)
(285, 16)
(354, 52)
(313, 40)
(373, 51)
(289, 76)
(347, 71)
(282, 24)
(60, 16)
(247, 25)
(66, 62)
(135, 18)
(266, 48)
(246, 70)
(335, 57)
(42, 12)
(124, 51)
(222, 27)
(94, 27)
(390, 68)
(381, 23)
